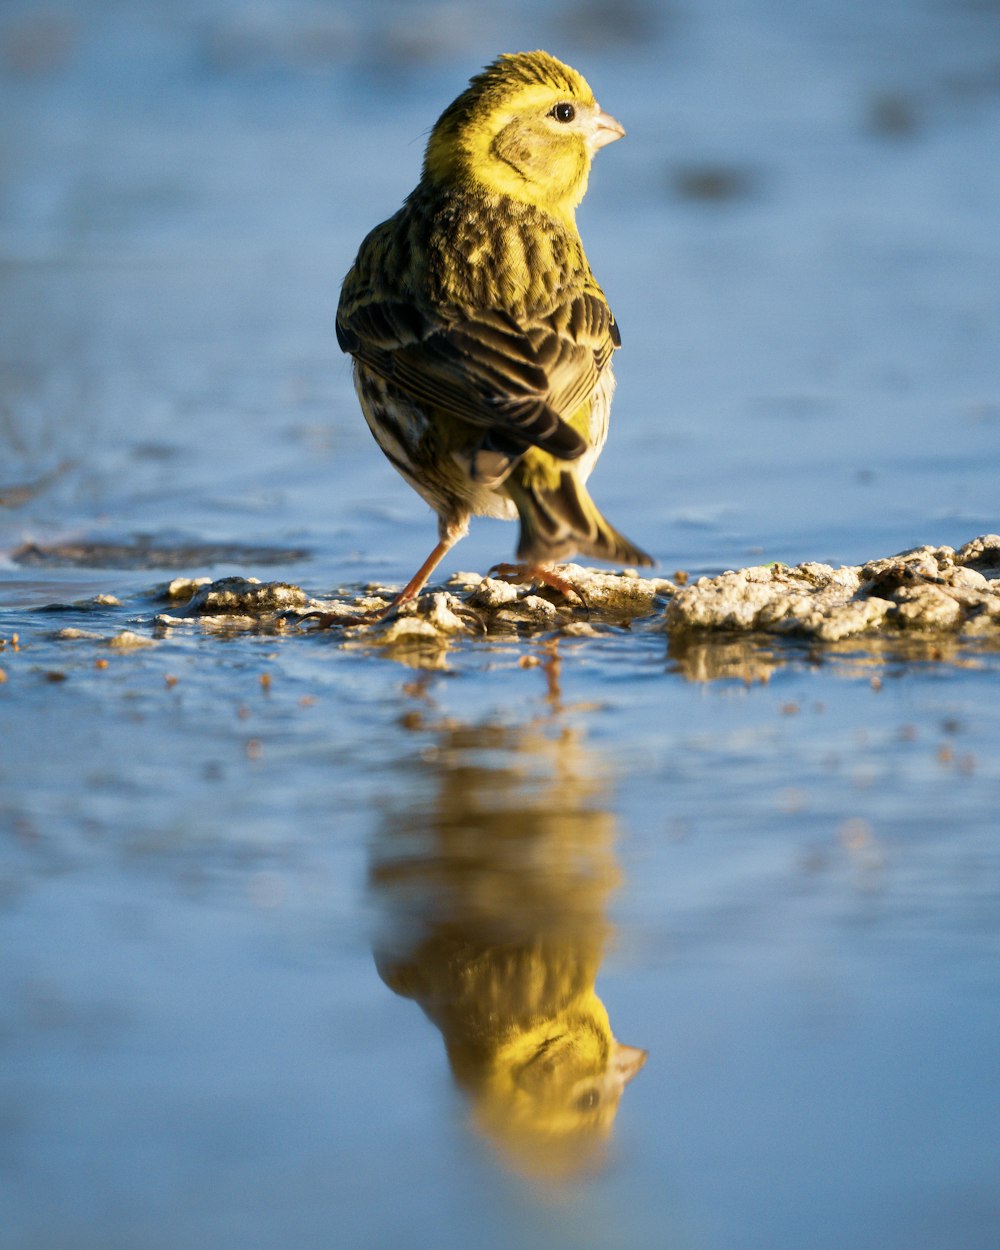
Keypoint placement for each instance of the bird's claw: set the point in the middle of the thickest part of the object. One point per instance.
(521, 574)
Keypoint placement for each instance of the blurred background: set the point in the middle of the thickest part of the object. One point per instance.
(235, 870)
(799, 239)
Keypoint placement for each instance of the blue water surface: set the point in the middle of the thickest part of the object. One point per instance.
(223, 900)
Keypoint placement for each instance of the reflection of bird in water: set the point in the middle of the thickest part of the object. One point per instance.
(495, 887)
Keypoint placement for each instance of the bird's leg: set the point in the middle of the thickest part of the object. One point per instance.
(324, 620)
(450, 532)
(522, 573)
(420, 578)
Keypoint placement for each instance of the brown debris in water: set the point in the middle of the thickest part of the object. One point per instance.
(243, 596)
(471, 606)
(232, 603)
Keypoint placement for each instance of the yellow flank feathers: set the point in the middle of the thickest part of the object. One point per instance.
(482, 343)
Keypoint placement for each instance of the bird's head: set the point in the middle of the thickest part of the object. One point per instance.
(526, 127)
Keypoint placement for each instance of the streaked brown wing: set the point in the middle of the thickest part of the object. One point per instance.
(519, 384)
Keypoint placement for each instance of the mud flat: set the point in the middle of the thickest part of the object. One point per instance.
(926, 591)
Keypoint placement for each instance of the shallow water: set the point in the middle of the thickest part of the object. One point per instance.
(245, 922)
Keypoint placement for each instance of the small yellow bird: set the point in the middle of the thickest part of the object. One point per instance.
(482, 344)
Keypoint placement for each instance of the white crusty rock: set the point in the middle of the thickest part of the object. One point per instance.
(926, 588)
(923, 591)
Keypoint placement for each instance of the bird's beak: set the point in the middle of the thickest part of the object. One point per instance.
(627, 1060)
(606, 130)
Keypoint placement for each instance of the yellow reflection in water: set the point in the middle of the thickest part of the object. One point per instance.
(494, 880)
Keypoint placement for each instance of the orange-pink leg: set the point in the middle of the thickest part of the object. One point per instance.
(419, 579)
(519, 573)
(410, 591)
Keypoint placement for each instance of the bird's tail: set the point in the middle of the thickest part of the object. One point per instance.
(558, 521)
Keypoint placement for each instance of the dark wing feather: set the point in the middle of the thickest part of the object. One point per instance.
(520, 384)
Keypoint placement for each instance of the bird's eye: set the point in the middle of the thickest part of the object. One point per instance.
(588, 1100)
(563, 112)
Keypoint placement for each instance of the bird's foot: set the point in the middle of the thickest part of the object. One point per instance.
(521, 574)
